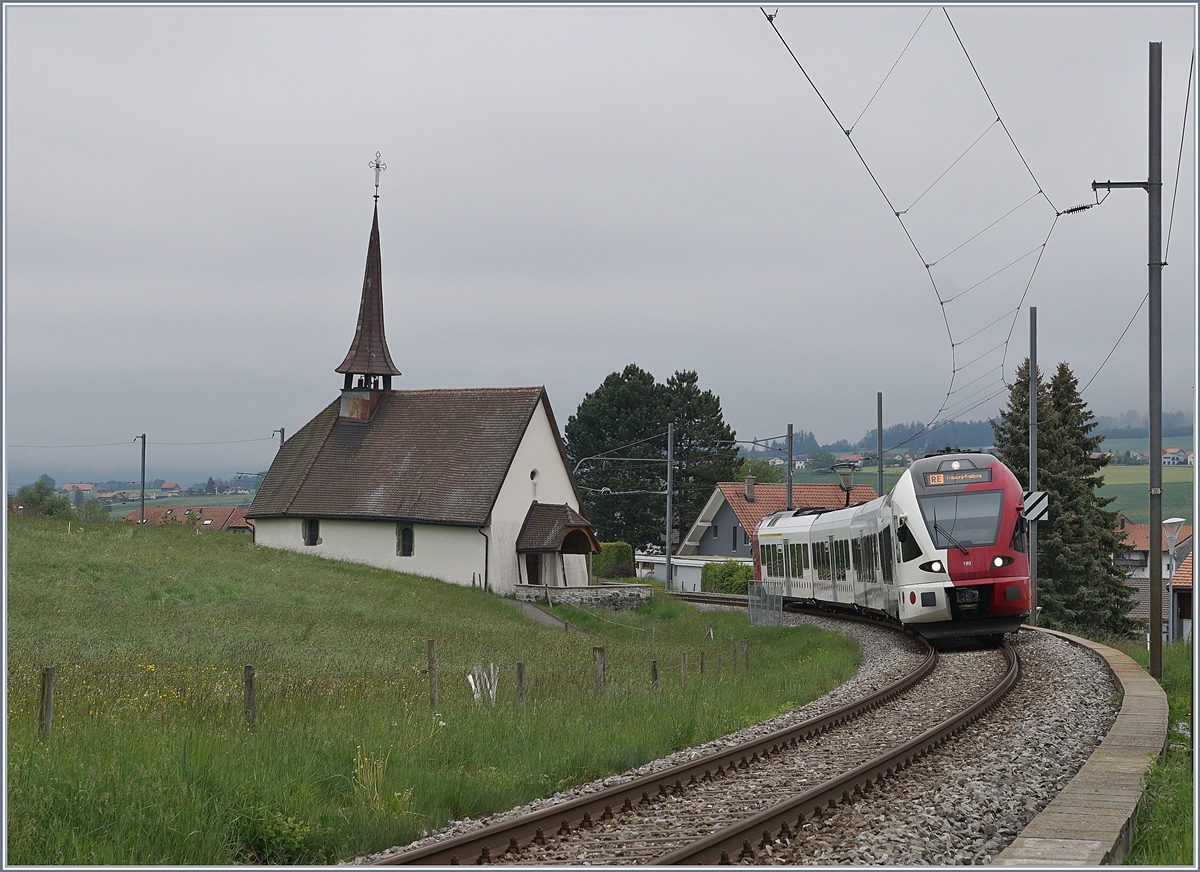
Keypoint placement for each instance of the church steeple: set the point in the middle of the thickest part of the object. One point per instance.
(368, 357)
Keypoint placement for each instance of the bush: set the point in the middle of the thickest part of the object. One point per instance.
(727, 577)
(613, 556)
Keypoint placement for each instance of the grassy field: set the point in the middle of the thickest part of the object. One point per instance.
(1142, 445)
(150, 760)
(120, 510)
(1162, 834)
(1130, 485)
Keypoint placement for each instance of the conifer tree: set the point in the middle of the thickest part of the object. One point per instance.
(1079, 586)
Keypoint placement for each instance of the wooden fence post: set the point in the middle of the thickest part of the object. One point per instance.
(701, 664)
(521, 681)
(46, 708)
(251, 697)
(598, 662)
(683, 671)
(654, 675)
(746, 652)
(432, 675)
(733, 659)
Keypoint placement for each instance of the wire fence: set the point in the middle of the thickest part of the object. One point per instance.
(218, 696)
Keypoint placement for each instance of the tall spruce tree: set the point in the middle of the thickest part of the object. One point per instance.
(1079, 586)
(1092, 591)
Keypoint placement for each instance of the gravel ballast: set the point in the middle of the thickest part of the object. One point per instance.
(961, 804)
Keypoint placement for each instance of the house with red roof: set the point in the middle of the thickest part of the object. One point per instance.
(733, 511)
(202, 517)
(471, 486)
(1135, 561)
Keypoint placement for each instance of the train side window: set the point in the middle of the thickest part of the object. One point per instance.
(885, 556)
(856, 555)
(804, 554)
(909, 549)
(762, 557)
(820, 556)
(1018, 536)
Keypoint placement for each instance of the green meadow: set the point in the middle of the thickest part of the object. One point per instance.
(150, 759)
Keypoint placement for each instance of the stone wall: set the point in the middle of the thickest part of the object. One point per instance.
(606, 596)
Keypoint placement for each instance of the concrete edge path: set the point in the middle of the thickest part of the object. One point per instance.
(537, 613)
(1090, 821)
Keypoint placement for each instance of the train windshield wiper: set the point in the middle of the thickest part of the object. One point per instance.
(938, 528)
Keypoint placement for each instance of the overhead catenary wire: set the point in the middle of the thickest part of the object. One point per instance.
(1178, 163)
(889, 72)
(942, 301)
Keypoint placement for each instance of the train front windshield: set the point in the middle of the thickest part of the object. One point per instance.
(965, 519)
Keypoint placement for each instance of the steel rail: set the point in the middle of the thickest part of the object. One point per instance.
(480, 846)
(736, 842)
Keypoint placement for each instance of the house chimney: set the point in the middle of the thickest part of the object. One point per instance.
(750, 488)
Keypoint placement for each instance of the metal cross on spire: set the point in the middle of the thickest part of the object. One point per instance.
(377, 165)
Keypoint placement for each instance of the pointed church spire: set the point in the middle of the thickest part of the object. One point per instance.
(368, 355)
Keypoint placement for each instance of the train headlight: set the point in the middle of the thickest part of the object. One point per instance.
(999, 562)
(933, 566)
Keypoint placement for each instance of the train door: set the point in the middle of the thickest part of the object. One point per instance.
(787, 567)
(823, 572)
(803, 586)
(842, 580)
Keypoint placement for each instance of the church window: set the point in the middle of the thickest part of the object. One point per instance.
(404, 541)
(311, 529)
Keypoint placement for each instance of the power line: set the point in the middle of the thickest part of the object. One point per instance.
(889, 72)
(942, 301)
(110, 444)
(1118, 342)
(1178, 163)
(997, 111)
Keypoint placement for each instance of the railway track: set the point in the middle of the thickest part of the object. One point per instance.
(722, 807)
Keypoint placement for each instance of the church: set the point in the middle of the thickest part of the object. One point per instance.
(471, 486)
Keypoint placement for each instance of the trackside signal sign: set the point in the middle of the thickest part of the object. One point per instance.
(1037, 505)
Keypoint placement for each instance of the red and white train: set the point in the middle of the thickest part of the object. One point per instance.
(944, 553)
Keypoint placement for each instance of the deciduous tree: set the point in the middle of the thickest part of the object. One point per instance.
(617, 440)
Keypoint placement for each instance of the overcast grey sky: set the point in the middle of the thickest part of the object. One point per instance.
(569, 190)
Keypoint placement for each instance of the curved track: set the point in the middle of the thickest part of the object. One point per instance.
(514, 840)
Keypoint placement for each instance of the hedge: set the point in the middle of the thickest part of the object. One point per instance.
(615, 560)
(727, 577)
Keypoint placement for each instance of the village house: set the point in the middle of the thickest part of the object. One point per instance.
(202, 517)
(1175, 457)
(1135, 562)
(471, 486)
(723, 528)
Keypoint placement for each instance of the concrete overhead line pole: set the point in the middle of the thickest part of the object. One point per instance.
(879, 445)
(142, 513)
(670, 489)
(1033, 398)
(789, 470)
(1153, 187)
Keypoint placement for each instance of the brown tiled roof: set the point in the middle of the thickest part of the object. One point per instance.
(222, 517)
(770, 498)
(1137, 536)
(548, 524)
(368, 352)
(1183, 575)
(431, 456)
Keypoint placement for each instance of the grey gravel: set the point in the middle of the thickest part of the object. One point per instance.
(960, 805)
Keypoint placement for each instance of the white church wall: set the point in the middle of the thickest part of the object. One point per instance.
(538, 451)
(451, 554)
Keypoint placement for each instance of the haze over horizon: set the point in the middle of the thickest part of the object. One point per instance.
(570, 190)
